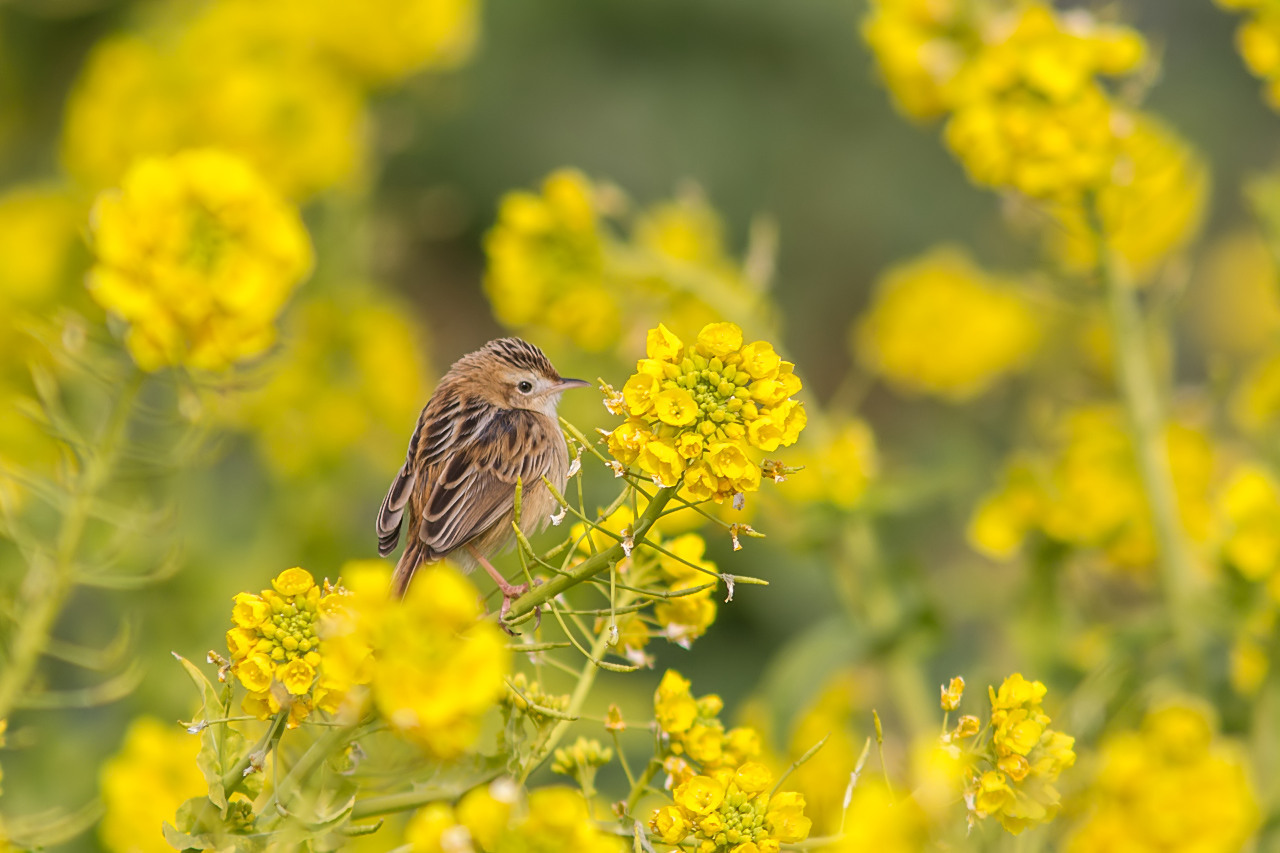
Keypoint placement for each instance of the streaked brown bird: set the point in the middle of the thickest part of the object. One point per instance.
(490, 422)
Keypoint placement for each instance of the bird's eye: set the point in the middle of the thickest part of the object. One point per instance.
(525, 386)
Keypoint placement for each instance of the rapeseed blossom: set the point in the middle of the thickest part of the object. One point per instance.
(940, 325)
(547, 263)
(695, 411)
(919, 47)
(432, 667)
(1152, 207)
(1086, 491)
(1258, 41)
(1234, 303)
(1171, 785)
(277, 648)
(723, 799)
(144, 784)
(496, 818)
(1015, 770)
(571, 261)
(199, 256)
(840, 462)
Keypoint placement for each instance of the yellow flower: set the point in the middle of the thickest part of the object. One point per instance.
(1258, 41)
(917, 51)
(1171, 785)
(706, 408)
(296, 676)
(198, 256)
(1153, 211)
(670, 824)
(700, 795)
(1233, 301)
(236, 75)
(546, 261)
(673, 704)
(38, 236)
(484, 815)
(144, 784)
(295, 581)
(675, 407)
(879, 821)
(434, 669)
(939, 325)
(1014, 779)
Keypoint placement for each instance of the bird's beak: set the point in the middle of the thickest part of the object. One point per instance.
(566, 384)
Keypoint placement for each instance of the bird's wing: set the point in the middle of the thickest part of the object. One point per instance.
(391, 512)
(472, 485)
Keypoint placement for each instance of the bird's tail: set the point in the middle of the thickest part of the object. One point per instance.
(415, 554)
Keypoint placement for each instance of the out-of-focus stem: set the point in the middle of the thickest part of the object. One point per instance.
(49, 582)
(1146, 422)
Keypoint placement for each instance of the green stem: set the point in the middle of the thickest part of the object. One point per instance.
(1146, 422)
(596, 563)
(642, 784)
(47, 585)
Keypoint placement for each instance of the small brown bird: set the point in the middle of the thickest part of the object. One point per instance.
(491, 421)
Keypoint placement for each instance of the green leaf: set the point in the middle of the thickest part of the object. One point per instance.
(221, 746)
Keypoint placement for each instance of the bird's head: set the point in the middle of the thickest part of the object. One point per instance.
(518, 375)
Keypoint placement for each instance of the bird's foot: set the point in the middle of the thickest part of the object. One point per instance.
(510, 592)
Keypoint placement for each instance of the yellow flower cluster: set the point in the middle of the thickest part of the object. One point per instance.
(1172, 785)
(433, 668)
(276, 648)
(1087, 493)
(144, 784)
(348, 362)
(281, 84)
(732, 810)
(546, 263)
(694, 412)
(724, 800)
(556, 264)
(839, 463)
(940, 325)
(1028, 113)
(198, 255)
(1250, 513)
(1027, 110)
(1258, 40)
(1022, 760)
(692, 731)
(493, 819)
(1255, 405)
(917, 52)
(1152, 206)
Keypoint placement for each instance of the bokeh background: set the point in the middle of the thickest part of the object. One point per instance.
(774, 114)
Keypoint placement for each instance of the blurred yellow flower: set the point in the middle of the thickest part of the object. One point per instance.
(1086, 492)
(486, 819)
(919, 46)
(198, 256)
(433, 668)
(350, 361)
(1234, 295)
(1027, 111)
(546, 263)
(143, 785)
(1152, 206)
(1172, 785)
(1258, 41)
(940, 325)
(1250, 511)
(39, 236)
(839, 462)
(879, 821)
(239, 75)
(700, 407)
(825, 776)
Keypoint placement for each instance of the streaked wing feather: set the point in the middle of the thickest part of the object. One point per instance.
(475, 487)
(391, 513)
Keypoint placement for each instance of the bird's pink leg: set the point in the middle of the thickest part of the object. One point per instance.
(509, 591)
